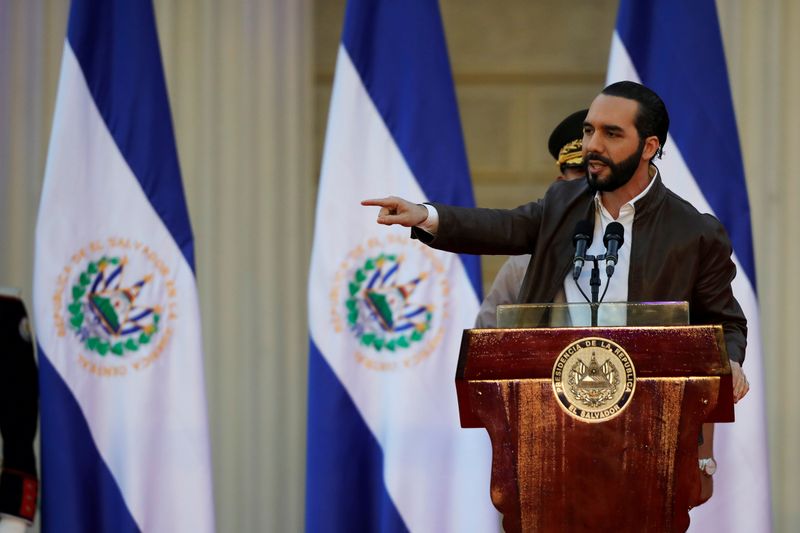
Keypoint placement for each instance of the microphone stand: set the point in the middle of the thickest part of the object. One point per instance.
(594, 283)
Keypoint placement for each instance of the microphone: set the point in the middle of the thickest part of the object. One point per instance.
(582, 239)
(613, 241)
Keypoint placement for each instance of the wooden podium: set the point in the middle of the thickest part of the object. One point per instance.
(632, 466)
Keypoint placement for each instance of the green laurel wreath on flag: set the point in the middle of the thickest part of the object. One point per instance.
(77, 317)
(371, 339)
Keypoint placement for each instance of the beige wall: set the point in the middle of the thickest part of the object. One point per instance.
(249, 85)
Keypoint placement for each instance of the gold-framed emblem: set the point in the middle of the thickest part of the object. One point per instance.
(594, 379)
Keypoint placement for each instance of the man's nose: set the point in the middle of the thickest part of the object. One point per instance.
(591, 143)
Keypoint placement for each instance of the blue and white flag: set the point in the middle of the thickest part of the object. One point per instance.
(675, 48)
(385, 448)
(124, 434)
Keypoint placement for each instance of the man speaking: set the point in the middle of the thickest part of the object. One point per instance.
(670, 251)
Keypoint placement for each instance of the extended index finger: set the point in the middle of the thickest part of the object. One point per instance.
(380, 202)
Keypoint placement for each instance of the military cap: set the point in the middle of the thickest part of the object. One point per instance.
(566, 140)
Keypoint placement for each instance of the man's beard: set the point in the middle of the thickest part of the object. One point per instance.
(620, 173)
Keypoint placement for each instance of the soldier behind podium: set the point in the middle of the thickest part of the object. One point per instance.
(565, 145)
(19, 411)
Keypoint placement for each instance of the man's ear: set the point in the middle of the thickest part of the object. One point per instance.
(651, 146)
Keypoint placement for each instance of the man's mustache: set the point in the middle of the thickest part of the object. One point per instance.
(591, 156)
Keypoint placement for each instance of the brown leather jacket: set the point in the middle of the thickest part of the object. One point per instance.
(677, 253)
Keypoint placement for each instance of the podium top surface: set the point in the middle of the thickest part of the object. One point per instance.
(657, 351)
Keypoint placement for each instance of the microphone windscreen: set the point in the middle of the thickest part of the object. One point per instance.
(614, 231)
(583, 230)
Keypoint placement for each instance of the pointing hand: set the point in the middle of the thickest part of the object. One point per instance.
(395, 210)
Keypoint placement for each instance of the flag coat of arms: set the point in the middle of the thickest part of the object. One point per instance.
(385, 447)
(675, 48)
(124, 435)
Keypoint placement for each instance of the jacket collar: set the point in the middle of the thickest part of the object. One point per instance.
(654, 196)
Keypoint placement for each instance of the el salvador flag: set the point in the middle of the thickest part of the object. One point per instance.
(124, 435)
(675, 48)
(385, 447)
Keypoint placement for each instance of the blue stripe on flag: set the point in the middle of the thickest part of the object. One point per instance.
(116, 44)
(78, 491)
(345, 491)
(659, 35)
(400, 53)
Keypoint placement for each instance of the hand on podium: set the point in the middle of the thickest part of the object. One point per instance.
(740, 384)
